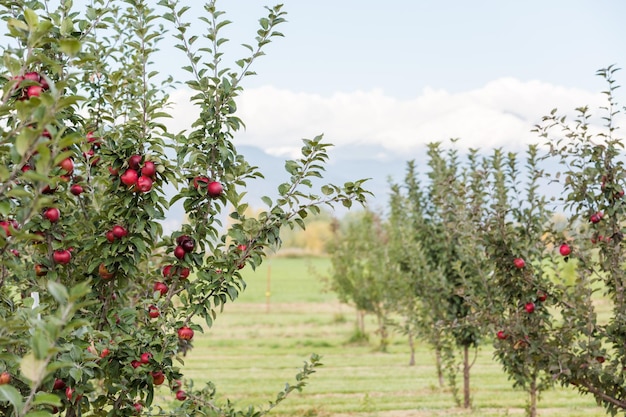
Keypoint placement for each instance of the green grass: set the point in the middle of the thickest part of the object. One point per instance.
(254, 348)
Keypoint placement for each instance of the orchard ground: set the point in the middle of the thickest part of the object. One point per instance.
(253, 349)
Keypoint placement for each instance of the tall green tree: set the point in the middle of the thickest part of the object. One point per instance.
(98, 306)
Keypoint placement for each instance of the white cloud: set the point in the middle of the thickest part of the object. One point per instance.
(501, 113)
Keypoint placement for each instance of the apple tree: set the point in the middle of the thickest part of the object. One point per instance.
(98, 306)
(434, 219)
(361, 268)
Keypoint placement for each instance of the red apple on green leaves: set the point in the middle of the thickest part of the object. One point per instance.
(158, 377)
(62, 256)
(58, 385)
(519, 263)
(161, 287)
(179, 252)
(138, 407)
(105, 352)
(197, 181)
(110, 236)
(214, 189)
(153, 312)
(600, 359)
(501, 335)
(565, 249)
(67, 165)
(129, 177)
(77, 189)
(135, 364)
(113, 171)
(33, 91)
(148, 169)
(185, 333)
(52, 214)
(188, 245)
(144, 184)
(145, 357)
(542, 296)
(529, 307)
(181, 395)
(119, 231)
(32, 76)
(5, 378)
(104, 272)
(40, 270)
(596, 217)
(184, 273)
(134, 162)
(4, 225)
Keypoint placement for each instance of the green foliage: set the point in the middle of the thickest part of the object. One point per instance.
(82, 133)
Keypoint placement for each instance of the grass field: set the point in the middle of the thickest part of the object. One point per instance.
(255, 347)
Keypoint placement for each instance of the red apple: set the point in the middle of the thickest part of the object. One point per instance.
(135, 364)
(129, 177)
(33, 91)
(62, 256)
(600, 359)
(188, 245)
(158, 377)
(15, 252)
(105, 352)
(77, 189)
(596, 217)
(145, 357)
(119, 231)
(167, 271)
(113, 171)
(138, 407)
(148, 169)
(184, 273)
(67, 165)
(110, 236)
(179, 252)
(501, 335)
(5, 378)
(32, 76)
(181, 395)
(52, 214)
(153, 312)
(59, 384)
(144, 184)
(134, 162)
(542, 296)
(4, 225)
(197, 181)
(565, 249)
(519, 263)
(242, 248)
(529, 307)
(185, 333)
(161, 287)
(40, 270)
(214, 189)
(104, 272)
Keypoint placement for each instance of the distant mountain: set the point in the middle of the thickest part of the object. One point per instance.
(345, 164)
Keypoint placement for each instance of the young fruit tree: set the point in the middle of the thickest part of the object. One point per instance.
(98, 306)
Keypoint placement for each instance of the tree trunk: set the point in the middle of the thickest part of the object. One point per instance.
(532, 407)
(360, 321)
(439, 367)
(467, 403)
(382, 329)
(412, 347)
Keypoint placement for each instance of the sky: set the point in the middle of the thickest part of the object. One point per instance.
(382, 79)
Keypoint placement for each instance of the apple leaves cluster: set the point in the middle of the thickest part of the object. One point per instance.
(97, 305)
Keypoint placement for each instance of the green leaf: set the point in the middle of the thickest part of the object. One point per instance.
(32, 20)
(12, 395)
(47, 398)
(58, 291)
(32, 368)
(70, 46)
